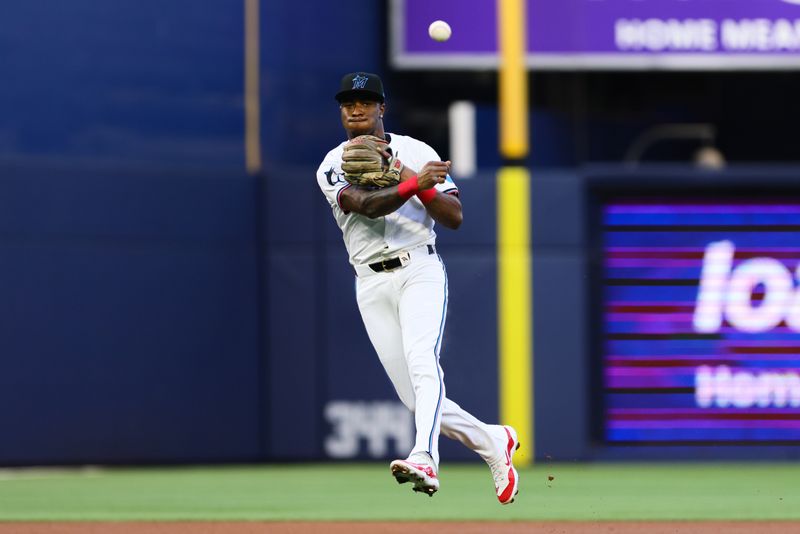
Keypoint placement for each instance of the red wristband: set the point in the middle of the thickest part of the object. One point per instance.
(409, 188)
(427, 195)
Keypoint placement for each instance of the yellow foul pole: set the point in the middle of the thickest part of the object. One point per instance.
(514, 285)
(513, 79)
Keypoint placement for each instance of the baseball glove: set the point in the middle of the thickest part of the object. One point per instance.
(364, 164)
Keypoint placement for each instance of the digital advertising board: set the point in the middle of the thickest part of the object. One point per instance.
(701, 319)
(605, 34)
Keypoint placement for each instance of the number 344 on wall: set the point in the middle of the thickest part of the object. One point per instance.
(378, 423)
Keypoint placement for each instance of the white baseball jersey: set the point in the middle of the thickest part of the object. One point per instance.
(404, 309)
(370, 240)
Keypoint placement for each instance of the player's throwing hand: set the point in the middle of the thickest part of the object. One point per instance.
(432, 173)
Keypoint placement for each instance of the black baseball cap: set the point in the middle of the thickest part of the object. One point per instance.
(361, 84)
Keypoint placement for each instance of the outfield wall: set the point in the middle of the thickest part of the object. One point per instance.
(129, 316)
(161, 317)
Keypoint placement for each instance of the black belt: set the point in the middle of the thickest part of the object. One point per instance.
(393, 263)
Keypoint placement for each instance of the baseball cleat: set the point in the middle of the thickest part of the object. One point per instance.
(422, 475)
(506, 478)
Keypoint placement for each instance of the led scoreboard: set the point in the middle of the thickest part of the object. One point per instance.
(604, 34)
(701, 320)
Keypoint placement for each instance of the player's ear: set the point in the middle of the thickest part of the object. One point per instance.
(382, 107)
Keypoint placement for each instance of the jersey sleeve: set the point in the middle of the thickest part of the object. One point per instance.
(448, 186)
(331, 180)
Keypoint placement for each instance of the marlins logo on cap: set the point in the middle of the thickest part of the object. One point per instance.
(362, 85)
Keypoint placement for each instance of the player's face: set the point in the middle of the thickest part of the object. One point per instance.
(361, 117)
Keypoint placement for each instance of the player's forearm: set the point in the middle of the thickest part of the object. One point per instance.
(373, 203)
(446, 210)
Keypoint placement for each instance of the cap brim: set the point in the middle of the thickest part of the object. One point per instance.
(359, 93)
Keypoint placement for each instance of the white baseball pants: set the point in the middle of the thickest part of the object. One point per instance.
(404, 313)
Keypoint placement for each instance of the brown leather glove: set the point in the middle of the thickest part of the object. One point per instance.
(364, 163)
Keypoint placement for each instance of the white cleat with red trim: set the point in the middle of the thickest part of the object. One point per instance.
(506, 478)
(419, 469)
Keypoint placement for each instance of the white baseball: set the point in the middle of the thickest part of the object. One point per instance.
(439, 30)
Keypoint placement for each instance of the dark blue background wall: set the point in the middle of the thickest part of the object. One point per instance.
(128, 82)
(129, 320)
(168, 317)
(303, 64)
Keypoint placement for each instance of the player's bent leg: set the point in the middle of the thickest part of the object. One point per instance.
(494, 443)
(460, 425)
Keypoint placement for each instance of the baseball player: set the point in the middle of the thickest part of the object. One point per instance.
(386, 190)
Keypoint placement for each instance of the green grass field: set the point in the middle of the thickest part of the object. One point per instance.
(367, 492)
